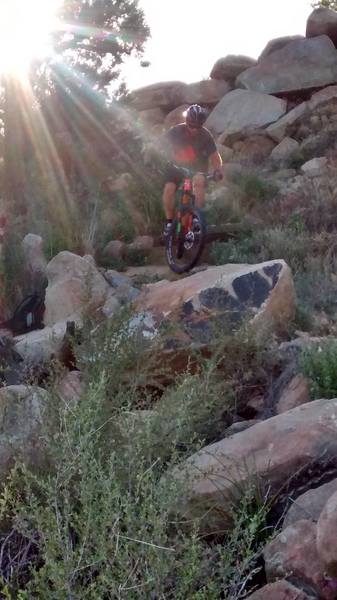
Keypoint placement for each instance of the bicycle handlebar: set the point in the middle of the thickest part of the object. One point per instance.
(189, 173)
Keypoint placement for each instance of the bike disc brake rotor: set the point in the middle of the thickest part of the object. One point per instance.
(192, 236)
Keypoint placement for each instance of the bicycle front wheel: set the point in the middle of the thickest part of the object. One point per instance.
(186, 241)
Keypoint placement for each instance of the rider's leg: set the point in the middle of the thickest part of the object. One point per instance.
(168, 200)
(199, 187)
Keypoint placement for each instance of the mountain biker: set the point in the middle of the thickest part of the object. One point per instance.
(190, 145)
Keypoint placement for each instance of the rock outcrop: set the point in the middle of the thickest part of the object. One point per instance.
(310, 63)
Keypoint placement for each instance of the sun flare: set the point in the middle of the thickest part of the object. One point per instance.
(25, 28)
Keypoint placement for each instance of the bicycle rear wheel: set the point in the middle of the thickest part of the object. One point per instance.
(185, 244)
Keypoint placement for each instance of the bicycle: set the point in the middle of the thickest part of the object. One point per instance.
(186, 239)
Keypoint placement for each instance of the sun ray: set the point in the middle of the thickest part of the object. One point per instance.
(25, 29)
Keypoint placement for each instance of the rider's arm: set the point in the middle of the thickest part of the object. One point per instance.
(215, 161)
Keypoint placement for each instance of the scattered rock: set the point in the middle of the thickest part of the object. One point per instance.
(209, 91)
(285, 149)
(296, 393)
(22, 424)
(71, 387)
(112, 305)
(231, 66)
(314, 167)
(142, 243)
(115, 250)
(35, 262)
(167, 95)
(126, 293)
(255, 149)
(176, 116)
(322, 97)
(280, 590)
(310, 505)
(41, 346)
(293, 554)
(278, 130)
(75, 288)
(326, 536)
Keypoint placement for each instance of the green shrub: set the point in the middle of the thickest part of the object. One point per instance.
(266, 244)
(235, 251)
(255, 188)
(319, 364)
(101, 520)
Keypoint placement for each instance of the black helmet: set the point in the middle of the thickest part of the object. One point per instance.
(195, 115)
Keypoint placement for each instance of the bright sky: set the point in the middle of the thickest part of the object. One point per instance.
(188, 36)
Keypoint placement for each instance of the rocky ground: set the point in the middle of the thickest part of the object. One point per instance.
(261, 305)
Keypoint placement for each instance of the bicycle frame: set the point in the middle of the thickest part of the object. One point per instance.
(185, 202)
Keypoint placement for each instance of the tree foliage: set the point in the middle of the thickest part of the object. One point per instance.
(98, 35)
(332, 4)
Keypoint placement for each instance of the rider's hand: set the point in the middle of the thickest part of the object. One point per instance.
(217, 175)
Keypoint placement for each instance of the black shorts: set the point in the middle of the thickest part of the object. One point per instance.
(174, 175)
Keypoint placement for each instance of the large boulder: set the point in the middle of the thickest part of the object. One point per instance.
(229, 67)
(224, 295)
(299, 66)
(209, 91)
(278, 44)
(302, 441)
(166, 95)
(322, 21)
(22, 424)
(75, 288)
(241, 109)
